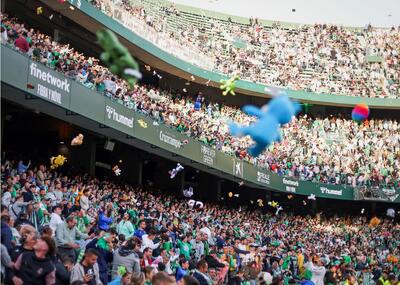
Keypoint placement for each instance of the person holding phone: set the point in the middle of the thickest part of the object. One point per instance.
(87, 270)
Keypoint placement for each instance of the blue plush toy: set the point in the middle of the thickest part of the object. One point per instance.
(266, 130)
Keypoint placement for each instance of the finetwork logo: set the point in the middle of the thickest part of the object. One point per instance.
(170, 140)
(290, 182)
(325, 190)
(113, 115)
(45, 76)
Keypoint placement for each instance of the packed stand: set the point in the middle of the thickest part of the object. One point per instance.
(331, 150)
(60, 229)
(317, 58)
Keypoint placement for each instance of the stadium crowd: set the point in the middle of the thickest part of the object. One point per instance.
(318, 58)
(366, 154)
(61, 229)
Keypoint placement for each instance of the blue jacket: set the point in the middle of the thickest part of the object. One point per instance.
(116, 281)
(180, 272)
(6, 236)
(104, 222)
(139, 233)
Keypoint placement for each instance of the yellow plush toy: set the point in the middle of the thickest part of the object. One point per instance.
(57, 161)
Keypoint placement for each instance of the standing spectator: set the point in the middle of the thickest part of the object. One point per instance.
(84, 200)
(55, 218)
(125, 227)
(66, 236)
(147, 240)
(126, 256)
(104, 220)
(29, 190)
(6, 233)
(87, 270)
(36, 267)
(6, 197)
(18, 206)
(140, 231)
(104, 246)
(182, 269)
(28, 240)
(21, 166)
(201, 273)
(318, 270)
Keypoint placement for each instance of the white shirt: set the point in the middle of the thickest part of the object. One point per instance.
(146, 242)
(55, 219)
(6, 199)
(318, 273)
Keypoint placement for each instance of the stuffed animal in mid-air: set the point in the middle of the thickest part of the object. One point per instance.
(312, 197)
(78, 140)
(196, 204)
(117, 57)
(117, 170)
(229, 85)
(188, 192)
(266, 130)
(57, 161)
(278, 210)
(175, 171)
(273, 204)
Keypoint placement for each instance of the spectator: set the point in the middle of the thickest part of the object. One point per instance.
(201, 273)
(87, 270)
(55, 218)
(6, 234)
(36, 267)
(66, 236)
(125, 227)
(126, 256)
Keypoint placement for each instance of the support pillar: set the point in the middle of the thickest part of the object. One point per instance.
(140, 172)
(56, 34)
(92, 157)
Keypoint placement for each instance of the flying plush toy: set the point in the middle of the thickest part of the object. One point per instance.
(57, 161)
(360, 113)
(289, 196)
(196, 204)
(260, 203)
(230, 194)
(374, 222)
(39, 10)
(229, 85)
(117, 170)
(390, 213)
(78, 140)
(304, 203)
(273, 204)
(142, 123)
(266, 130)
(312, 197)
(117, 57)
(188, 192)
(278, 210)
(362, 211)
(175, 171)
(240, 183)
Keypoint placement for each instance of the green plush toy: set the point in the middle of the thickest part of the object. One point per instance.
(117, 57)
(229, 85)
